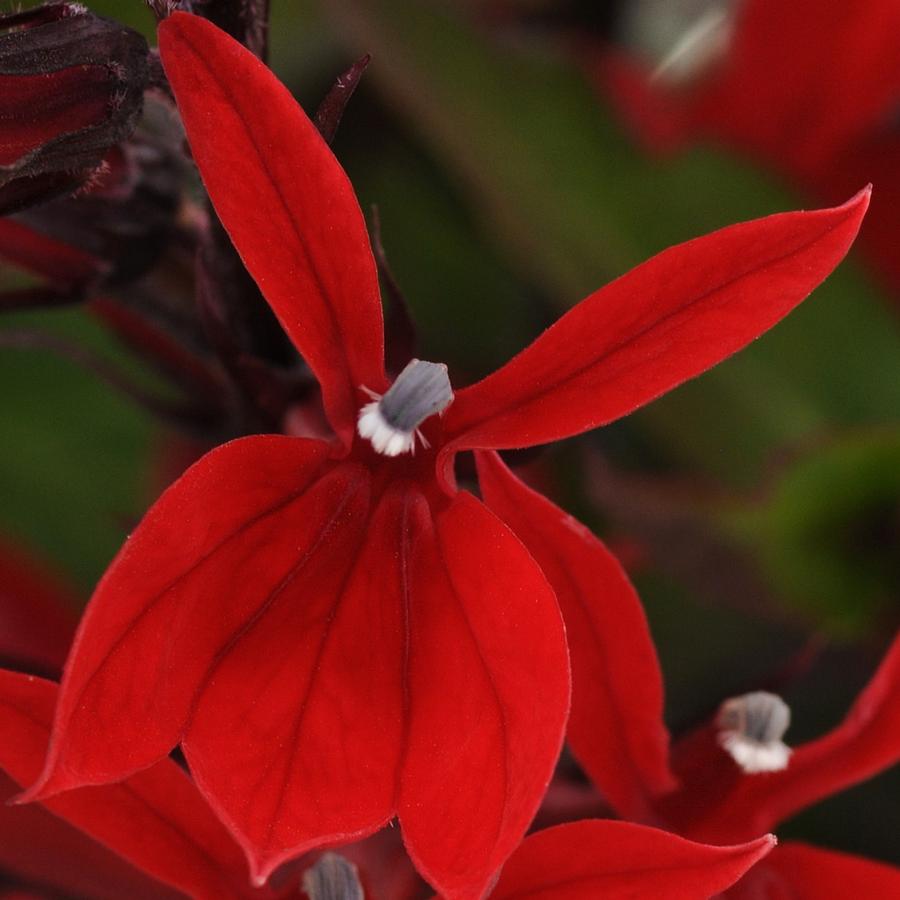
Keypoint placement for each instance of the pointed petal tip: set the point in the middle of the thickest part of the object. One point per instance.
(43, 789)
(860, 199)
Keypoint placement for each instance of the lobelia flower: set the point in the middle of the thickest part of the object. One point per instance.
(153, 833)
(338, 636)
(154, 830)
(816, 104)
(734, 777)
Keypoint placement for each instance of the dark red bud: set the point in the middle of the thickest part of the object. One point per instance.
(71, 87)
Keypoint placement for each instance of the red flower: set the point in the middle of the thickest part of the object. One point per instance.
(157, 822)
(337, 636)
(714, 800)
(809, 89)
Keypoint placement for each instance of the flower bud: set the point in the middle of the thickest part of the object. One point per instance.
(71, 87)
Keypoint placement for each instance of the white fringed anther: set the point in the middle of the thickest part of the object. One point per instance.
(391, 422)
(750, 731)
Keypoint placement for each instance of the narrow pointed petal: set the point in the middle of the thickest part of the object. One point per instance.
(864, 744)
(297, 738)
(796, 871)
(664, 322)
(488, 696)
(616, 727)
(156, 819)
(200, 566)
(287, 205)
(622, 861)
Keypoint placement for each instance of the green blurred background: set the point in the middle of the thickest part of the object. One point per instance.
(758, 506)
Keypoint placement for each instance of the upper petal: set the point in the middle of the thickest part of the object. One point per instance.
(616, 728)
(488, 695)
(195, 571)
(795, 871)
(287, 205)
(622, 861)
(865, 743)
(669, 319)
(156, 819)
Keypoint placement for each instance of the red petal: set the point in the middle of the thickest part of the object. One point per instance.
(489, 694)
(156, 819)
(287, 205)
(616, 729)
(795, 871)
(167, 607)
(621, 861)
(37, 611)
(865, 743)
(46, 852)
(297, 737)
(669, 319)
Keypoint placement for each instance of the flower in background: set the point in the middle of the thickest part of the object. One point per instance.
(809, 89)
(715, 798)
(334, 633)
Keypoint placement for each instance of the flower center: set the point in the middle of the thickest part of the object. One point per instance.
(750, 731)
(391, 422)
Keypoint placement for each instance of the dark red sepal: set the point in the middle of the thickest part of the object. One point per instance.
(71, 87)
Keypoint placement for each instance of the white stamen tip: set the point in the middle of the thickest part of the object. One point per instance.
(751, 728)
(385, 439)
(391, 422)
(754, 757)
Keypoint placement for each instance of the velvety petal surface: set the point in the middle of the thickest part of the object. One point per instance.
(616, 727)
(795, 871)
(287, 205)
(205, 562)
(488, 695)
(667, 320)
(865, 743)
(156, 819)
(622, 861)
(298, 733)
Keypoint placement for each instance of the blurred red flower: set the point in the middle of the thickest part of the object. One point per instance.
(335, 634)
(712, 799)
(808, 89)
